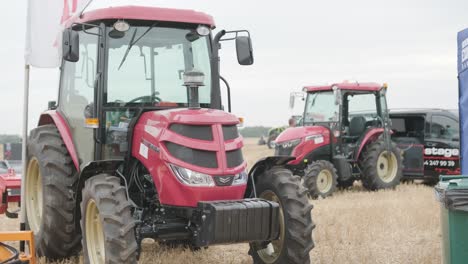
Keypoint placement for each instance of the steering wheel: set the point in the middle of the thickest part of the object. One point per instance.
(146, 99)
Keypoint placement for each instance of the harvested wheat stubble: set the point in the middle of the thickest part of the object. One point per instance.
(355, 226)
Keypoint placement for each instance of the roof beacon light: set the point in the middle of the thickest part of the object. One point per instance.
(203, 30)
(121, 26)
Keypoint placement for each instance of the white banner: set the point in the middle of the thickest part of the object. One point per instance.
(44, 28)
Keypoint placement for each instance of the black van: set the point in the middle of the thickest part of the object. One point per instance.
(430, 141)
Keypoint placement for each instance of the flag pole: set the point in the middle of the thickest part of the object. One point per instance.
(24, 151)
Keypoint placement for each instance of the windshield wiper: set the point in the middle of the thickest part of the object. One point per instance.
(132, 43)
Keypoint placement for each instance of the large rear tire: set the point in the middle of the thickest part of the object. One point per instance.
(107, 222)
(381, 169)
(320, 179)
(49, 199)
(295, 240)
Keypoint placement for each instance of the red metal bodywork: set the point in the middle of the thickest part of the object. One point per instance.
(152, 131)
(345, 86)
(144, 13)
(54, 117)
(8, 182)
(305, 147)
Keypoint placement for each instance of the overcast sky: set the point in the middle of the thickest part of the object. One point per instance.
(411, 45)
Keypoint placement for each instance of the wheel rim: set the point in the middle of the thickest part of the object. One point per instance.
(324, 181)
(387, 166)
(94, 234)
(272, 252)
(34, 195)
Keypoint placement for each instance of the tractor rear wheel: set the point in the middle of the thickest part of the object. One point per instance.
(320, 179)
(381, 169)
(295, 239)
(50, 206)
(107, 223)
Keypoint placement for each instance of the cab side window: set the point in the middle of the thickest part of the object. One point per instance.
(444, 128)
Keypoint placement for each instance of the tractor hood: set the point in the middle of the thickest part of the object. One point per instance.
(294, 133)
(203, 141)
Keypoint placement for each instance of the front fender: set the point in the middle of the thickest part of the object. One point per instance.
(261, 166)
(89, 170)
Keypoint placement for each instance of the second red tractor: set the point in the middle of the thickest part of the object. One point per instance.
(344, 136)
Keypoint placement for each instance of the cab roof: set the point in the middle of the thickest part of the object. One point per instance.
(345, 86)
(145, 13)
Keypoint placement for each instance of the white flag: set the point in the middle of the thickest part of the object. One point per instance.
(44, 28)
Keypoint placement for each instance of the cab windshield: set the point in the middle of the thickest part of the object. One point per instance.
(147, 64)
(321, 107)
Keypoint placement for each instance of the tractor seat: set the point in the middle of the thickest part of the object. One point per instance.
(357, 126)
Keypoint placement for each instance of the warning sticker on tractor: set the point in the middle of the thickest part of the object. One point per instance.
(143, 150)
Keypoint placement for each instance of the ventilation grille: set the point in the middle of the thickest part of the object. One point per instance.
(234, 158)
(196, 157)
(195, 132)
(230, 132)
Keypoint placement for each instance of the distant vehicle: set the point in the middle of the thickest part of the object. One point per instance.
(430, 141)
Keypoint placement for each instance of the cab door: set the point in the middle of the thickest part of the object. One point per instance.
(442, 146)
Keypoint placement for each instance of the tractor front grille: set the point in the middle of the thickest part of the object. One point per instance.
(192, 131)
(195, 157)
(230, 132)
(234, 158)
(205, 158)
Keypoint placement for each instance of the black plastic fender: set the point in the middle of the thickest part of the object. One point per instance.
(88, 171)
(261, 166)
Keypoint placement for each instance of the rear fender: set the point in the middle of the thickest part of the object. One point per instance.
(262, 166)
(54, 117)
(371, 136)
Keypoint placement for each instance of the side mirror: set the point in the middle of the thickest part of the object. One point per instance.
(244, 50)
(70, 45)
(52, 105)
(292, 101)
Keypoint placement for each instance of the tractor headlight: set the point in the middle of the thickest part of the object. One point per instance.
(192, 178)
(240, 178)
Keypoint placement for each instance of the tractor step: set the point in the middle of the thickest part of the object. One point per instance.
(247, 220)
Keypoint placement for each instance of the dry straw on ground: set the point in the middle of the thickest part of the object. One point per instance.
(396, 226)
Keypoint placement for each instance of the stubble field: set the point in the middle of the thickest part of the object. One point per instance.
(355, 226)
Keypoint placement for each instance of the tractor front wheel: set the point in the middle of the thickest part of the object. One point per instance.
(107, 223)
(381, 168)
(295, 236)
(49, 187)
(320, 179)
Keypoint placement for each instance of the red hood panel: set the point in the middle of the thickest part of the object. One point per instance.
(192, 116)
(301, 132)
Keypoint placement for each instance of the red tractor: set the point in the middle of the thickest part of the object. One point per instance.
(138, 146)
(10, 186)
(345, 135)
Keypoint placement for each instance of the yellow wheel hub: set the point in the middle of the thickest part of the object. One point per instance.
(273, 250)
(324, 181)
(34, 195)
(95, 242)
(387, 166)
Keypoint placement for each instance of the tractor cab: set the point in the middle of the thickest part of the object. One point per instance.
(340, 123)
(117, 67)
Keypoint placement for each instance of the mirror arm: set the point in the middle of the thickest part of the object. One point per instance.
(215, 76)
(228, 88)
